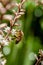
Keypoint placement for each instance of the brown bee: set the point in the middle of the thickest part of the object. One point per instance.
(19, 35)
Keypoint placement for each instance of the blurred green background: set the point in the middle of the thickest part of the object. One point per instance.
(32, 26)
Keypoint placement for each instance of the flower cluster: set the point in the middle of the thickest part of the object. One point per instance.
(39, 58)
(7, 31)
(2, 59)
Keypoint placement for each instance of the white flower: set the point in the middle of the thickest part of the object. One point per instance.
(1, 38)
(13, 32)
(0, 62)
(7, 29)
(3, 62)
(5, 42)
(1, 55)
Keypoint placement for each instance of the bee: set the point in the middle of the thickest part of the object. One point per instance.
(19, 35)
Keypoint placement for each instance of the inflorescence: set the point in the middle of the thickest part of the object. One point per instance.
(8, 32)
